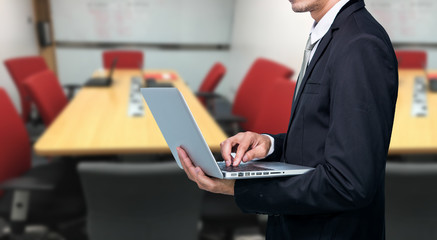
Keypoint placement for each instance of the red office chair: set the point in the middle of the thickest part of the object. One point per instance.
(24, 67)
(14, 141)
(126, 59)
(274, 112)
(251, 92)
(210, 82)
(411, 59)
(47, 93)
(32, 191)
(20, 69)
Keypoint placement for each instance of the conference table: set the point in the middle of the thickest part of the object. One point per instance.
(96, 122)
(413, 134)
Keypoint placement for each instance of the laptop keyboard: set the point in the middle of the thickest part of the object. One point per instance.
(243, 168)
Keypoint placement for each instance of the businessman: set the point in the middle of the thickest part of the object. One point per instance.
(340, 124)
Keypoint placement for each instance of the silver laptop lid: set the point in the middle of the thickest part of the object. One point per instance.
(179, 127)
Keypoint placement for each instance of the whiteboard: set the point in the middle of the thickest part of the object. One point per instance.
(407, 21)
(143, 21)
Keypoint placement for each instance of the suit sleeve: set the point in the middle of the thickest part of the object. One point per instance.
(277, 146)
(363, 92)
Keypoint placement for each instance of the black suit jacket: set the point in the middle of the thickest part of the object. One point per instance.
(340, 124)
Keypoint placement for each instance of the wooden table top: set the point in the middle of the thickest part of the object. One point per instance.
(413, 135)
(96, 122)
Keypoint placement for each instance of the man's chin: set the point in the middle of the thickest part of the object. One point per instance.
(298, 9)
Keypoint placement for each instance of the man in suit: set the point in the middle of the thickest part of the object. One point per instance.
(340, 124)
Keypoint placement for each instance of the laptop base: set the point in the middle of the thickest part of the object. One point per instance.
(260, 169)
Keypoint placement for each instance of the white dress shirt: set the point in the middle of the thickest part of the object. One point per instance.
(319, 29)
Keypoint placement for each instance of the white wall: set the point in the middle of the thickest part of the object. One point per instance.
(75, 65)
(261, 28)
(269, 29)
(17, 39)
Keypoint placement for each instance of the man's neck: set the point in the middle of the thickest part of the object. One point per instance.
(319, 13)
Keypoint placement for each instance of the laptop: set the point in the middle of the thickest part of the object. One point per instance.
(179, 128)
(103, 81)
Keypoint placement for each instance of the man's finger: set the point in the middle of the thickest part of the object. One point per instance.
(252, 154)
(186, 163)
(242, 149)
(227, 148)
(214, 185)
(259, 149)
(182, 154)
(203, 181)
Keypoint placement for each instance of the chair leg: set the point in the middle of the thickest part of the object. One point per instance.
(18, 229)
(20, 205)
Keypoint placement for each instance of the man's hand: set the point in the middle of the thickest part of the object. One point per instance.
(204, 182)
(248, 145)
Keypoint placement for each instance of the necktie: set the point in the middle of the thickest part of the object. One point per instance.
(308, 48)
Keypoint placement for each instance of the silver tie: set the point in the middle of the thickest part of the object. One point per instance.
(308, 48)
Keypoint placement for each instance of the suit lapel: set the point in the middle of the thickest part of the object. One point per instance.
(324, 42)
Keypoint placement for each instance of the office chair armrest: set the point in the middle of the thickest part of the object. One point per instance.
(230, 124)
(42, 177)
(229, 119)
(71, 88)
(212, 101)
(208, 95)
(27, 183)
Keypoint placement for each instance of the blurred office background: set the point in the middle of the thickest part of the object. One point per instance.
(190, 36)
